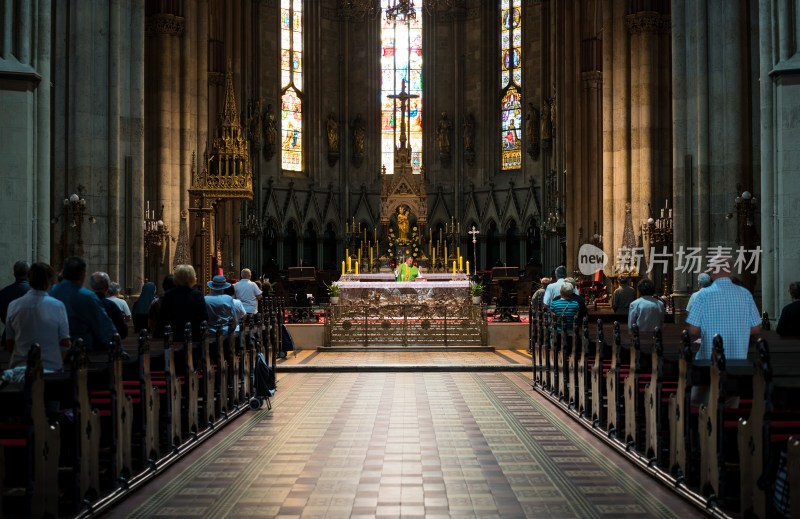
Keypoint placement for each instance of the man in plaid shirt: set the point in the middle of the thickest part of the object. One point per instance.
(726, 309)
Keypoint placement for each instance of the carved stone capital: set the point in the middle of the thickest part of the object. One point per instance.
(648, 22)
(161, 23)
(592, 79)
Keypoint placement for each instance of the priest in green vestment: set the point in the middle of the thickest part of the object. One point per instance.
(407, 271)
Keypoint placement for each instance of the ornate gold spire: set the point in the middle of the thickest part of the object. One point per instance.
(230, 116)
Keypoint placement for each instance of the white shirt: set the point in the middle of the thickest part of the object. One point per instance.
(247, 292)
(41, 319)
(123, 306)
(553, 291)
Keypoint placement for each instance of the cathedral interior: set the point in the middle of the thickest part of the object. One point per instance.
(643, 138)
(546, 125)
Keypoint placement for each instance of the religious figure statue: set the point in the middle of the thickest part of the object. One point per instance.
(469, 133)
(553, 113)
(469, 139)
(359, 140)
(443, 134)
(270, 132)
(402, 224)
(333, 133)
(254, 123)
(531, 131)
(546, 132)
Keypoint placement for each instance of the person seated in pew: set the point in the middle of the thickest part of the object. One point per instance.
(703, 281)
(553, 290)
(15, 290)
(726, 309)
(647, 312)
(576, 296)
(566, 306)
(220, 307)
(789, 322)
(183, 304)
(116, 297)
(238, 306)
(38, 318)
(99, 283)
(88, 319)
(155, 306)
(142, 306)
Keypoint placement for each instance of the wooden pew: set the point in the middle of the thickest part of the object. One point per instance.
(598, 414)
(793, 452)
(121, 417)
(26, 431)
(192, 380)
(631, 389)
(679, 411)
(583, 370)
(208, 381)
(87, 449)
(151, 404)
(712, 419)
(174, 393)
(564, 340)
(652, 400)
(548, 347)
(776, 381)
(612, 379)
(572, 365)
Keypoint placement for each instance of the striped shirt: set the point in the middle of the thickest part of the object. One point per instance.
(726, 309)
(567, 308)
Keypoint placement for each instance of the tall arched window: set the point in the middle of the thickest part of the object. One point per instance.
(292, 85)
(511, 84)
(401, 60)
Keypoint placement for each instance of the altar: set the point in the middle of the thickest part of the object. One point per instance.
(376, 311)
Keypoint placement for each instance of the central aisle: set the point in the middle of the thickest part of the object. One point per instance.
(405, 444)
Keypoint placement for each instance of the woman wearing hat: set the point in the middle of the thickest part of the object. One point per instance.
(220, 308)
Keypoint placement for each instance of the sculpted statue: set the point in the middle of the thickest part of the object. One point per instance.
(333, 133)
(545, 123)
(270, 126)
(469, 133)
(554, 113)
(359, 140)
(254, 124)
(402, 224)
(444, 134)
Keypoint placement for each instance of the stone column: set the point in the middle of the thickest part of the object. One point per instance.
(164, 29)
(780, 152)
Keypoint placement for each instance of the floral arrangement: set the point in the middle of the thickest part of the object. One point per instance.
(333, 289)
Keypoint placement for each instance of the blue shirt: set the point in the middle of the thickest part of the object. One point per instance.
(728, 310)
(647, 313)
(87, 318)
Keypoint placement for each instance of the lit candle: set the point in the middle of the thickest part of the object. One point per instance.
(343, 267)
(356, 269)
(460, 263)
(349, 264)
(454, 267)
(467, 267)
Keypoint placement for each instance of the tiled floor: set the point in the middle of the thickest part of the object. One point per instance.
(404, 444)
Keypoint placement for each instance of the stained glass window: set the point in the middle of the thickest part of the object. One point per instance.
(511, 84)
(292, 85)
(401, 59)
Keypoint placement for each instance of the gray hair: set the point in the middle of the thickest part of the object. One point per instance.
(114, 288)
(99, 282)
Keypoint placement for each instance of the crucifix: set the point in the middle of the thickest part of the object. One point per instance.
(403, 96)
(475, 232)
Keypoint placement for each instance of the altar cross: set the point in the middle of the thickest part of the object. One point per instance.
(403, 96)
(475, 232)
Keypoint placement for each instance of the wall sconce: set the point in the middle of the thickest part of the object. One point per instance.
(746, 205)
(253, 227)
(73, 210)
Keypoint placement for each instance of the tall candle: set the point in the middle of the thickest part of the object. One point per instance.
(458, 251)
(467, 267)
(460, 263)
(343, 267)
(349, 264)
(433, 258)
(454, 267)
(347, 253)
(356, 269)
(370, 256)
(445, 253)
(359, 259)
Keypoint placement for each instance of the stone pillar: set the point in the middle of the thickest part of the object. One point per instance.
(164, 29)
(779, 100)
